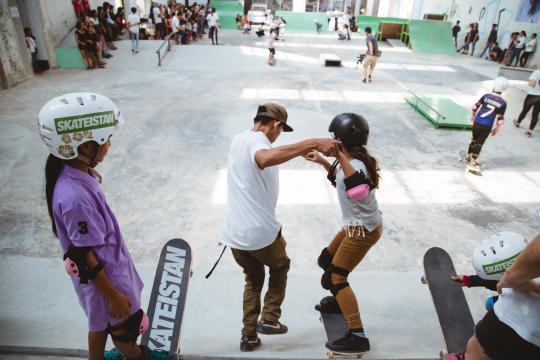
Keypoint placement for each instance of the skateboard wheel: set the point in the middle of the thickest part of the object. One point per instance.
(423, 280)
(330, 355)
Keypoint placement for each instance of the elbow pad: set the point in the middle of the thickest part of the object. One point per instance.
(358, 186)
(76, 266)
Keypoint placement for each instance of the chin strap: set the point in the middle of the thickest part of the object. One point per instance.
(92, 163)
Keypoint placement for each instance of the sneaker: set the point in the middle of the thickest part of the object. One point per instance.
(516, 123)
(271, 328)
(349, 343)
(369, 78)
(249, 343)
(457, 356)
(529, 133)
(364, 81)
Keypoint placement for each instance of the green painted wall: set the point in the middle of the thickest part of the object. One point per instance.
(303, 21)
(227, 11)
(69, 58)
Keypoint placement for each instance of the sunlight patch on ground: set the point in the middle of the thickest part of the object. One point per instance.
(408, 187)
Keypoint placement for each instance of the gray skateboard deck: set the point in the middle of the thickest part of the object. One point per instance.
(452, 310)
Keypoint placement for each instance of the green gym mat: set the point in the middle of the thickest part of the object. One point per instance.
(440, 112)
(69, 58)
(432, 37)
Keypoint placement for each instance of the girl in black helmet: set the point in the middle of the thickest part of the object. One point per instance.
(355, 174)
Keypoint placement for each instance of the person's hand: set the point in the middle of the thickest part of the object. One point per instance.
(119, 306)
(458, 278)
(327, 146)
(494, 132)
(507, 281)
(471, 119)
(314, 156)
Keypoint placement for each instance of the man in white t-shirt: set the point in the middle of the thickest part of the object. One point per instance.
(158, 21)
(213, 24)
(250, 227)
(133, 21)
(175, 25)
(532, 100)
(511, 330)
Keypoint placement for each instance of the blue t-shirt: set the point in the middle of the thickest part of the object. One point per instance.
(489, 107)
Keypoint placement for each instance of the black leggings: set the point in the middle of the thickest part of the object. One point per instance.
(524, 58)
(213, 31)
(479, 135)
(531, 101)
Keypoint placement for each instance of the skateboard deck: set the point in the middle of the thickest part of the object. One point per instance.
(168, 297)
(453, 313)
(335, 327)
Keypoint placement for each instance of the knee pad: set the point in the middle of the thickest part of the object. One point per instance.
(325, 259)
(326, 280)
(76, 266)
(135, 325)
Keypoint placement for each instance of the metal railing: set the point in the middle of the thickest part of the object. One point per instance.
(167, 42)
(439, 115)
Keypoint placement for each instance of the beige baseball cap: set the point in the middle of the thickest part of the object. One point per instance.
(273, 111)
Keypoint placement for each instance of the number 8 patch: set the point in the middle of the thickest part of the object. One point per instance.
(83, 227)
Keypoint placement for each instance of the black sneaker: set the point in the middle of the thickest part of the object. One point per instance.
(349, 343)
(249, 343)
(271, 328)
(516, 123)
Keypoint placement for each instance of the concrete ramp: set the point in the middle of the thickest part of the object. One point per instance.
(431, 37)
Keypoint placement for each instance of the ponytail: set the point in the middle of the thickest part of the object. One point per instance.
(53, 167)
(372, 165)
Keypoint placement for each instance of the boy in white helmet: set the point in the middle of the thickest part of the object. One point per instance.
(486, 112)
(490, 259)
(77, 130)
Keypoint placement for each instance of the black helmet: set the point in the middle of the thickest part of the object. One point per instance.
(351, 129)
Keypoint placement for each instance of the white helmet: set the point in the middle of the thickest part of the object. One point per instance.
(70, 120)
(500, 84)
(496, 253)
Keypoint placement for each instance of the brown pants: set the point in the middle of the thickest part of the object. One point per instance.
(253, 262)
(348, 249)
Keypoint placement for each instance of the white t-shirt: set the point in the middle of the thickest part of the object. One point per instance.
(30, 44)
(175, 23)
(157, 15)
(536, 77)
(250, 219)
(270, 40)
(521, 42)
(269, 19)
(212, 19)
(520, 311)
(530, 45)
(134, 19)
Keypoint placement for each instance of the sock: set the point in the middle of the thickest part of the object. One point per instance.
(358, 332)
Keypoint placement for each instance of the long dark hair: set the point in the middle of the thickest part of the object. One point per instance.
(53, 167)
(372, 165)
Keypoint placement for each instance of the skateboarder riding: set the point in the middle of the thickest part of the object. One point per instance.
(486, 112)
(250, 227)
(77, 130)
(355, 174)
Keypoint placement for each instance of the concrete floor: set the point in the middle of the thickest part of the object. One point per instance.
(165, 177)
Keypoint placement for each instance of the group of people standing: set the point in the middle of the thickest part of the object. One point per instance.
(516, 51)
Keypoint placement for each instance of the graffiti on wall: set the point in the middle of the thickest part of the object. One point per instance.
(528, 11)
